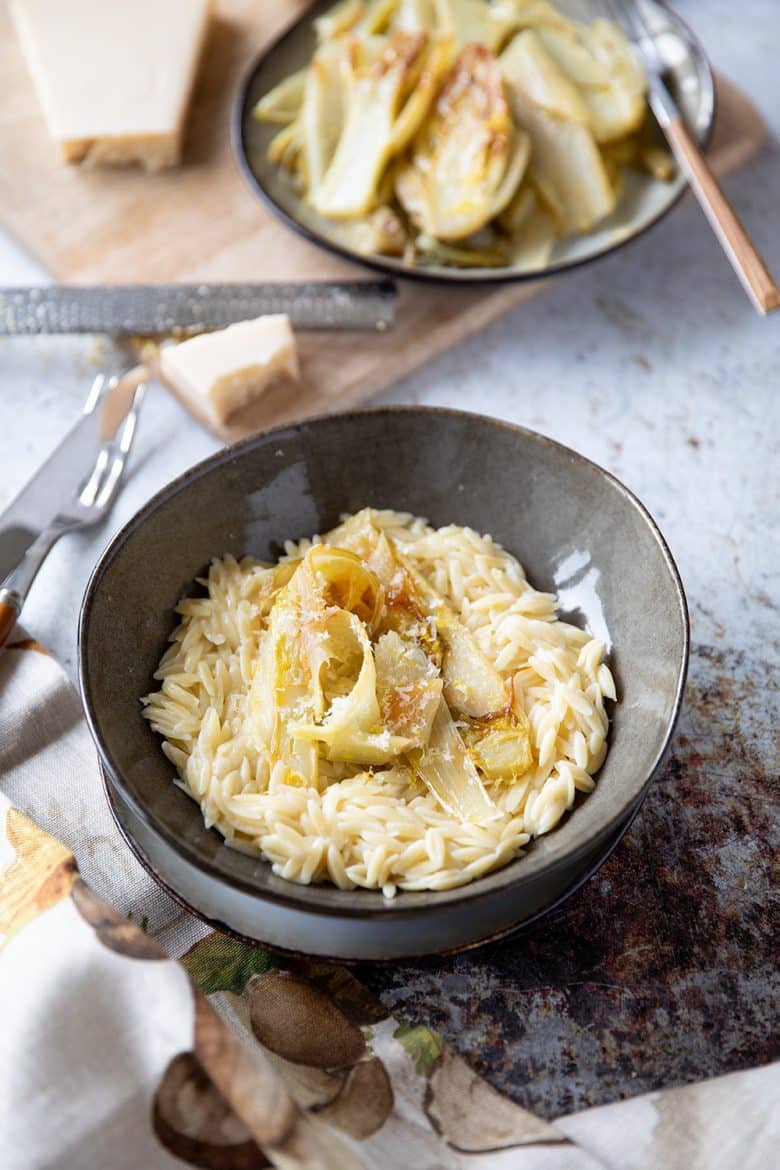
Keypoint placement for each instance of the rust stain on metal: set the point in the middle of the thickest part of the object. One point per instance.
(663, 969)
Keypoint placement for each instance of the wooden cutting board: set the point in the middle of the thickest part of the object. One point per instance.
(200, 222)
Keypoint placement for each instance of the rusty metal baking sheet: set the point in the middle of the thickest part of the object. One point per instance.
(662, 969)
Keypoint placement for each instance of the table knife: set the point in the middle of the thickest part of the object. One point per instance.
(125, 310)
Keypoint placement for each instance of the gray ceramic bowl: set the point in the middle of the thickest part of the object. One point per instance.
(643, 203)
(338, 936)
(575, 528)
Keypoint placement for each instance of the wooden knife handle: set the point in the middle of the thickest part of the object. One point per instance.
(745, 260)
(8, 616)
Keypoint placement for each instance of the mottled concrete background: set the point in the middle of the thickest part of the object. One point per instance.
(652, 363)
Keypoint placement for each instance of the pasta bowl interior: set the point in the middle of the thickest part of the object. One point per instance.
(492, 495)
(466, 141)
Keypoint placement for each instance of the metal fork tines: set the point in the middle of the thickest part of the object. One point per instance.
(102, 484)
(109, 422)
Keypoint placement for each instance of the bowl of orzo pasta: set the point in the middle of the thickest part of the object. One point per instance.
(382, 683)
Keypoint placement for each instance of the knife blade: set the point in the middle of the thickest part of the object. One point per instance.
(58, 478)
(124, 310)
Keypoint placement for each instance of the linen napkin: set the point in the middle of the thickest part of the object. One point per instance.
(114, 1055)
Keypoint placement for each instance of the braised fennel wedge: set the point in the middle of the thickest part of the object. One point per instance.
(462, 132)
(361, 662)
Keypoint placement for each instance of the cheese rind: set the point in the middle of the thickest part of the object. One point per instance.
(224, 370)
(113, 77)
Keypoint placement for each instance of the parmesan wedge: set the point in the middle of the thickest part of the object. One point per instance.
(222, 371)
(113, 77)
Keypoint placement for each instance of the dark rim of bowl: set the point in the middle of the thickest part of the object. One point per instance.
(495, 936)
(465, 278)
(307, 896)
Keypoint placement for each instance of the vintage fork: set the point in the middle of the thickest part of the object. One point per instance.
(740, 250)
(122, 398)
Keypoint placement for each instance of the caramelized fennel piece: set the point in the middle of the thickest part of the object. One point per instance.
(642, 151)
(539, 14)
(446, 767)
(286, 147)
(599, 62)
(361, 17)
(316, 625)
(381, 233)
(377, 17)
(519, 208)
(658, 162)
(472, 687)
(282, 104)
(473, 22)
(337, 577)
(566, 163)
(282, 689)
(496, 253)
(322, 112)
(567, 160)
(270, 583)
(416, 16)
(357, 533)
(468, 159)
(408, 688)
(351, 729)
(501, 746)
(619, 108)
(535, 240)
(574, 59)
(386, 101)
(339, 19)
(541, 79)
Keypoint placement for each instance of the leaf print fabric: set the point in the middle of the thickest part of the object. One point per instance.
(39, 872)
(221, 963)
(423, 1045)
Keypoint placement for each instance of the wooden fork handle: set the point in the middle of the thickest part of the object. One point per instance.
(8, 616)
(745, 260)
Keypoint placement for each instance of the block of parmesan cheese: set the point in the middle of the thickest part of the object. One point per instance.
(114, 77)
(222, 371)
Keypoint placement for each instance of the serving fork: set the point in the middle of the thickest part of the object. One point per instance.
(740, 250)
(105, 432)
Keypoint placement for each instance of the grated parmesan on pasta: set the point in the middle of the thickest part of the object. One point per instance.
(381, 829)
